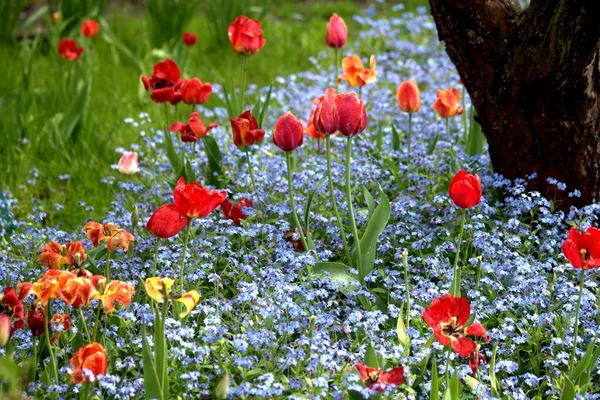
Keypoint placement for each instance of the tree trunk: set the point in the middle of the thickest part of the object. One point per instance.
(534, 78)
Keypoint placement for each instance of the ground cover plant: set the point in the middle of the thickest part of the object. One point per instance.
(336, 234)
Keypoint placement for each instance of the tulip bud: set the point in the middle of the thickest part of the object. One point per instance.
(408, 96)
(222, 387)
(189, 39)
(128, 164)
(323, 120)
(289, 132)
(350, 114)
(245, 35)
(5, 329)
(135, 217)
(55, 17)
(337, 32)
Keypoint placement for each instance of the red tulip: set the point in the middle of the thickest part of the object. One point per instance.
(68, 49)
(245, 35)
(465, 189)
(166, 222)
(194, 91)
(324, 119)
(175, 95)
(91, 357)
(350, 114)
(447, 316)
(245, 130)
(447, 103)
(583, 249)
(89, 28)
(189, 38)
(310, 128)
(195, 201)
(289, 132)
(408, 96)
(193, 130)
(11, 305)
(163, 81)
(337, 32)
(377, 379)
(35, 318)
(474, 360)
(235, 211)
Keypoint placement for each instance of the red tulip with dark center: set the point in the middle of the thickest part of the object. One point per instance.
(378, 379)
(163, 81)
(582, 249)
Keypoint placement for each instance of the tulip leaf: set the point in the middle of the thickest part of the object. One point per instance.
(371, 359)
(476, 139)
(73, 117)
(213, 154)
(174, 158)
(568, 390)
(265, 107)
(222, 387)
(403, 338)
(231, 101)
(395, 139)
(434, 393)
(339, 274)
(152, 388)
(452, 390)
(10, 377)
(494, 384)
(309, 201)
(368, 242)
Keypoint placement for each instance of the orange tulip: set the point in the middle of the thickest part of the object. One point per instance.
(54, 255)
(408, 96)
(118, 291)
(447, 103)
(355, 73)
(189, 300)
(51, 286)
(91, 357)
(110, 233)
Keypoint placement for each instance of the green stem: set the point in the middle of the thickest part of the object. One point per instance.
(288, 158)
(464, 102)
(334, 202)
(85, 328)
(182, 263)
(351, 208)
(243, 83)
(155, 256)
(337, 69)
(455, 288)
(581, 284)
(47, 333)
(107, 268)
(97, 322)
(251, 172)
(448, 128)
(447, 369)
(407, 286)
(409, 132)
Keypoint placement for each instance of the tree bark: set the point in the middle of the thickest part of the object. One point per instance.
(534, 78)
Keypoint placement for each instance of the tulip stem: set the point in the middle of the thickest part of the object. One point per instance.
(85, 328)
(455, 288)
(243, 81)
(407, 286)
(97, 322)
(351, 208)
(333, 201)
(581, 284)
(448, 128)
(47, 334)
(107, 268)
(337, 69)
(251, 172)
(34, 360)
(155, 256)
(409, 132)
(185, 246)
(288, 158)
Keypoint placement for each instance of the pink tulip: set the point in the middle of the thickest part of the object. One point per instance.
(128, 164)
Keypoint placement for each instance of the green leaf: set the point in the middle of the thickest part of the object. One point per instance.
(568, 390)
(339, 274)
(371, 359)
(379, 139)
(369, 200)
(74, 114)
(231, 101)
(211, 148)
(10, 377)
(432, 145)
(476, 139)
(494, 384)
(452, 390)
(434, 393)
(152, 388)
(222, 387)
(368, 242)
(403, 338)
(265, 107)
(395, 139)
(174, 158)
(188, 172)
